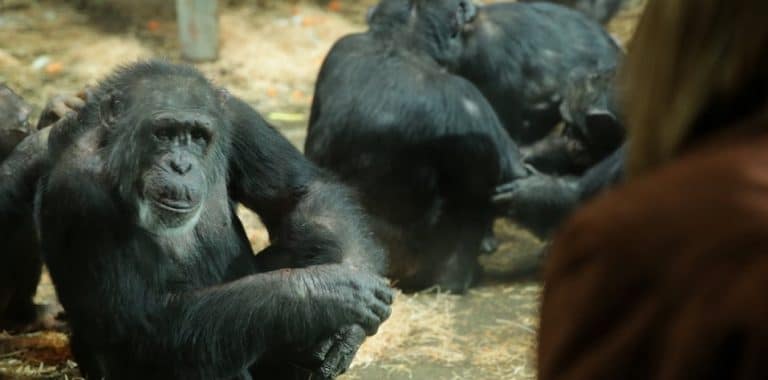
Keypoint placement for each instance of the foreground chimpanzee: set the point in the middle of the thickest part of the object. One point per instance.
(600, 10)
(520, 55)
(151, 263)
(423, 147)
(593, 126)
(541, 202)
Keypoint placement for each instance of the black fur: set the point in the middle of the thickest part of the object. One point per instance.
(593, 126)
(19, 252)
(422, 146)
(599, 10)
(160, 302)
(541, 202)
(521, 55)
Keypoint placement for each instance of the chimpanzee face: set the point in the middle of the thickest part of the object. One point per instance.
(166, 150)
(173, 183)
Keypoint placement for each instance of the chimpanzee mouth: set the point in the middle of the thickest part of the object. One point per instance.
(173, 205)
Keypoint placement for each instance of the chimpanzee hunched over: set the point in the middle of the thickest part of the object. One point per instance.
(422, 146)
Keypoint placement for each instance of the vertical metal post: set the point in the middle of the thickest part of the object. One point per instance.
(198, 29)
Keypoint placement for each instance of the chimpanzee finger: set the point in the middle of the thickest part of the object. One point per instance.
(387, 295)
(320, 353)
(503, 197)
(86, 93)
(60, 108)
(75, 103)
(506, 188)
(369, 321)
(342, 353)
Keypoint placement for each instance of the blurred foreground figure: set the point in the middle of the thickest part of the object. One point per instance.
(666, 277)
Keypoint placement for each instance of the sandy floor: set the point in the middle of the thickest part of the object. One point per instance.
(269, 56)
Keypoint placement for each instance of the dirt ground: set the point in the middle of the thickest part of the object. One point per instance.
(270, 54)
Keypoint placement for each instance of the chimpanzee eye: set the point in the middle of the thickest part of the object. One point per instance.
(200, 136)
(164, 134)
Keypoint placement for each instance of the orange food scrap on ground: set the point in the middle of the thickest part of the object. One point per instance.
(54, 68)
(334, 6)
(297, 96)
(153, 25)
(271, 92)
(311, 21)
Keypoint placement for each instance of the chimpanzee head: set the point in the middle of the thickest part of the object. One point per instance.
(14, 123)
(165, 141)
(435, 25)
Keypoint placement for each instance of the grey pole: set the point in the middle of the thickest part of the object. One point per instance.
(198, 29)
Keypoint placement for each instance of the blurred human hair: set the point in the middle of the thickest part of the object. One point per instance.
(694, 66)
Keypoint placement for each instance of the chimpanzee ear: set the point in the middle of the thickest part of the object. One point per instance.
(110, 107)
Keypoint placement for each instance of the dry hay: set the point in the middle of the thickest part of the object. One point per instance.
(282, 65)
(42, 355)
(421, 328)
(506, 348)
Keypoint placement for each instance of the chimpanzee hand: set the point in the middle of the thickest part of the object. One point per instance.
(332, 356)
(340, 296)
(62, 106)
(538, 202)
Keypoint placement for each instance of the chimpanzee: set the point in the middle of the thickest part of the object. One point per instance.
(21, 265)
(137, 222)
(593, 127)
(422, 146)
(540, 202)
(600, 10)
(520, 56)
(22, 158)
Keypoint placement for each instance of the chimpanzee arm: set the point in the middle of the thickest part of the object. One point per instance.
(117, 286)
(605, 173)
(20, 171)
(311, 219)
(18, 176)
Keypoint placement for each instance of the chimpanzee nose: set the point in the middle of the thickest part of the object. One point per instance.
(180, 165)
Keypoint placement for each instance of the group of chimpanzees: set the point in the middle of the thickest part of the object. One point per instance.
(440, 118)
(423, 114)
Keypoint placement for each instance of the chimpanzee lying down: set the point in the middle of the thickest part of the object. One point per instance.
(151, 263)
(540, 202)
(600, 10)
(593, 126)
(422, 146)
(521, 56)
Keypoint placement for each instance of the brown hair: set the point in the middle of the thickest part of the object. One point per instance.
(687, 56)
